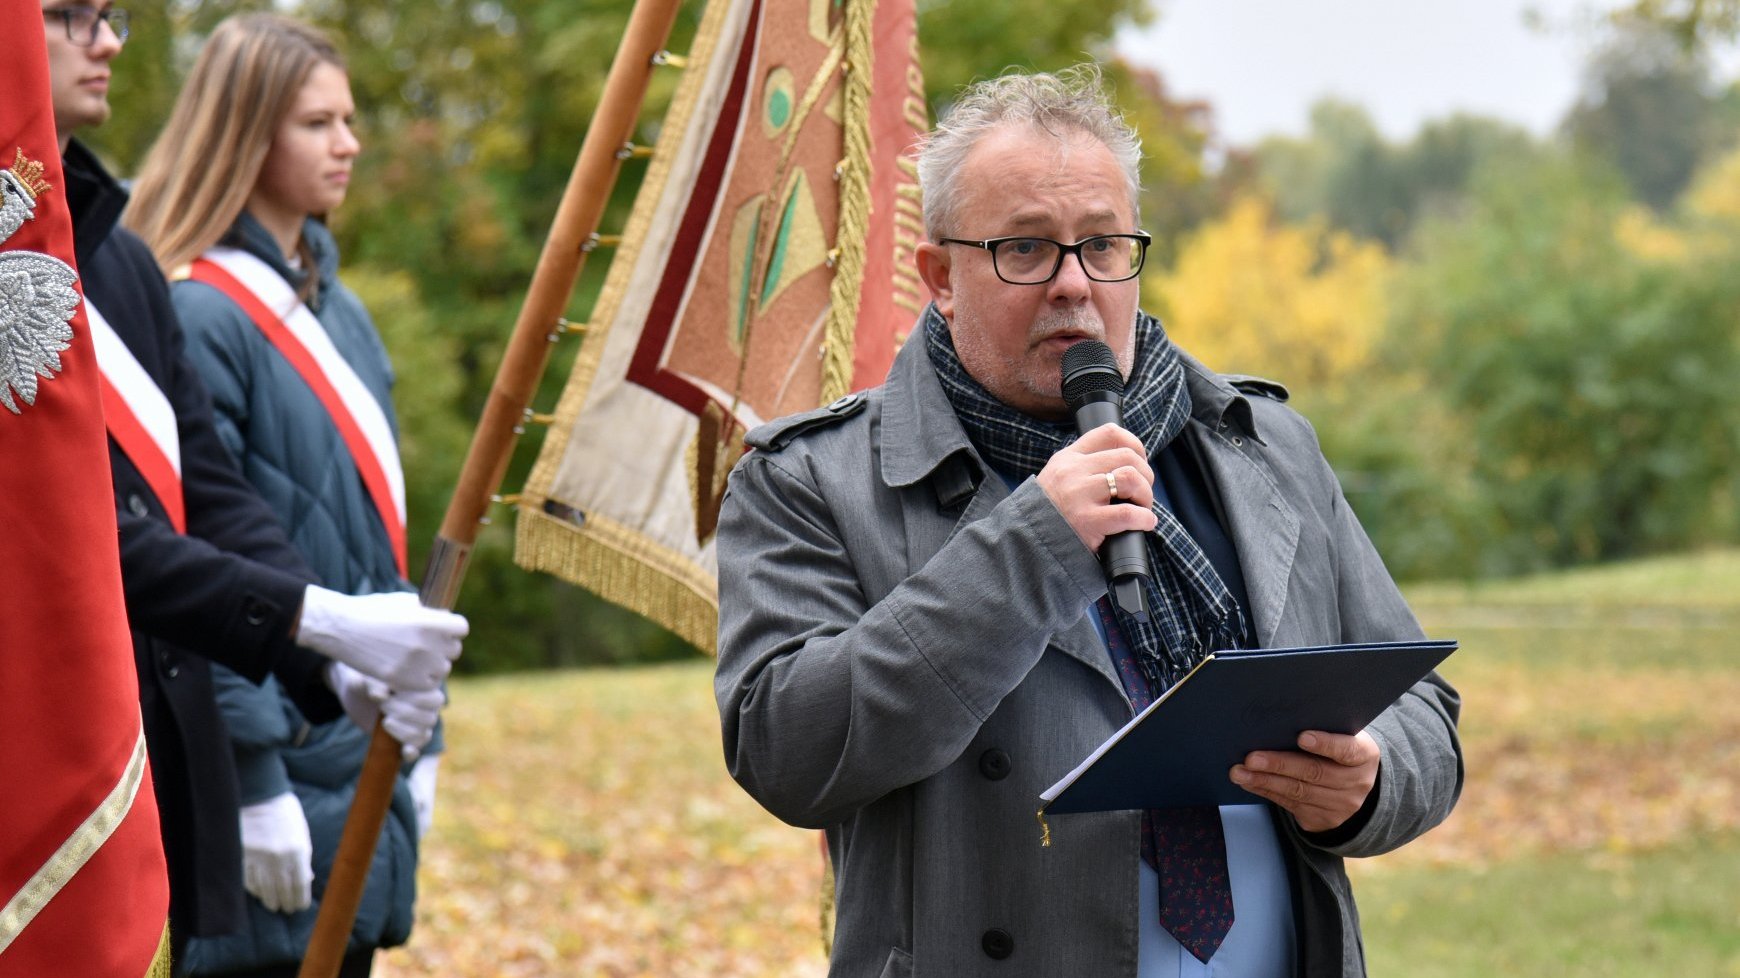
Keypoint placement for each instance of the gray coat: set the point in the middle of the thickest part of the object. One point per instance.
(906, 660)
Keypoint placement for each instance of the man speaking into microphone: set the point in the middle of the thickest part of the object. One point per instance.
(917, 635)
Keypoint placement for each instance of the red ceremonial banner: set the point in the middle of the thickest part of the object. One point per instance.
(82, 876)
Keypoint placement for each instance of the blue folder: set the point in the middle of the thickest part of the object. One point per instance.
(1179, 751)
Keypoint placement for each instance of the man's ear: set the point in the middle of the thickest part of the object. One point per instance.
(933, 266)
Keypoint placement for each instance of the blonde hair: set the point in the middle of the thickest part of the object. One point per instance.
(199, 174)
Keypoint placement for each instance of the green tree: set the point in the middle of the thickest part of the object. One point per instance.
(1593, 385)
(1441, 160)
(1346, 171)
(1646, 106)
(1692, 22)
(962, 40)
(1178, 190)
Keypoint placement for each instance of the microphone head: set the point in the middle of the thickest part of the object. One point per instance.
(1090, 368)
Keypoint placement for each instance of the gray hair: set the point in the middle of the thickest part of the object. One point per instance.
(1072, 101)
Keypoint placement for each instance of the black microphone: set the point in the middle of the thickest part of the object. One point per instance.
(1094, 390)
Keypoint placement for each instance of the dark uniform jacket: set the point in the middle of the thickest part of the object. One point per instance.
(228, 590)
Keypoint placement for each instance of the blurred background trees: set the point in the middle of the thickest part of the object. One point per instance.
(1518, 350)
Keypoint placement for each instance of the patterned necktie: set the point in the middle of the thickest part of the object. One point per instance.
(1185, 846)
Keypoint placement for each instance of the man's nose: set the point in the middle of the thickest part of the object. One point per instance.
(1071, 283)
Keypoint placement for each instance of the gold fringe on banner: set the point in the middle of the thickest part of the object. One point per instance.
(599, 556)
(854, 228)
(618, 565)
(640, 219)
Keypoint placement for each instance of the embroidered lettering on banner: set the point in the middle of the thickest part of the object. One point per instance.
(37, 298)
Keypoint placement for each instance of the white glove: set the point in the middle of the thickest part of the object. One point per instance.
(421, 781)
(360, 696)
(410, 718)
(277, 856)
(390, 636)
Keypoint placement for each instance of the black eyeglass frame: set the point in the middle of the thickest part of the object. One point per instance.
(1142, 238)
(118, 18)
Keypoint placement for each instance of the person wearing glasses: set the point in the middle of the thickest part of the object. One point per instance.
(914, 633)
(212, 581)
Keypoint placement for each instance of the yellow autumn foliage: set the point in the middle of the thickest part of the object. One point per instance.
(1300, 304)
(1645, 236)
(1706, 225)
(1716, 193)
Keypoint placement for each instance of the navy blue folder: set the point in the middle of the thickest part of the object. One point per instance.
(1179, 751)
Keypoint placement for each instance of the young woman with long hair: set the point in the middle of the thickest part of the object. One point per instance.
(232, 200)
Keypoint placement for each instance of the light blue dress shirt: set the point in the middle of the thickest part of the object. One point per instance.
(1261, 942)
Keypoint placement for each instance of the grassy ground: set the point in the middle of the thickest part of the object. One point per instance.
(1599, 832)
(586, 825)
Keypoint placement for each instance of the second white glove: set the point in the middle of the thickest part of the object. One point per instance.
(360, 696)
(391, 637)
(410, 718)
(277, 855)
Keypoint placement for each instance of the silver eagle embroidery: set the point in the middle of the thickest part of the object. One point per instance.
(37, 298)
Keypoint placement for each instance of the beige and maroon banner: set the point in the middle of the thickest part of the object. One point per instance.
(766, 270)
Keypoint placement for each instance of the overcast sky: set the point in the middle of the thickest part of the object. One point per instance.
(1262, 63)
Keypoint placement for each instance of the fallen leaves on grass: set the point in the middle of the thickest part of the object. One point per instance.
(1617, 739)
(586, 825)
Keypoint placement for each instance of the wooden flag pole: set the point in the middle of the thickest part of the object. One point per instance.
(516, 381)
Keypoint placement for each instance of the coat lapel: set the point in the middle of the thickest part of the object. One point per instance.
(1263, 526)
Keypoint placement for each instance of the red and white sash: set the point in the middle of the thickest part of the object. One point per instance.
(273, 306)
(139, 417)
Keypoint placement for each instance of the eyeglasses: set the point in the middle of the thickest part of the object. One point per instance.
(82, 23)
(1035, 261)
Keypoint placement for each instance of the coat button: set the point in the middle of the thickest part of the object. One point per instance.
(255, 612)
(137, 505)
(170, 669)
(997, 944)
(994, 764)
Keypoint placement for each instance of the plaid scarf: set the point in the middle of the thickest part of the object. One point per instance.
(1191, 612)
